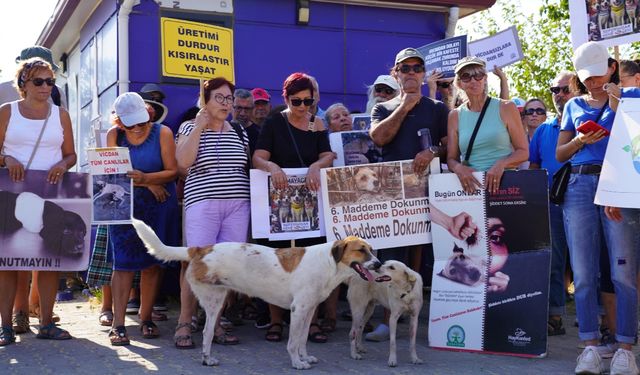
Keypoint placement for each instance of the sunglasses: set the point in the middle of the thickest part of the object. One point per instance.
(444, 85)
(538, 111)
(417, 68)
(556, 89)
(386, 90)
(466, 77)
(41, 81)
(221, 99)
(140, 125)
(307, 102)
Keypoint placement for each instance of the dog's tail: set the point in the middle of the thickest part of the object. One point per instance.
(155, 247)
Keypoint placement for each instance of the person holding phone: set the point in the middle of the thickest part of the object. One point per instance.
(588, 229)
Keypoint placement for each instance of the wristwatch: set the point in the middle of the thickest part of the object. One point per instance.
(435, 150)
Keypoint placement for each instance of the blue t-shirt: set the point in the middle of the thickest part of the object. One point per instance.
(542, 148)
(577, 111)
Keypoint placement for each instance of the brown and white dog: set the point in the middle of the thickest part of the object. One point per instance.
(296, 278)
(396, 287)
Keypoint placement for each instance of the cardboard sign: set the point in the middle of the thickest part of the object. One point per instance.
(443, 55)
(196, 50)
(355, 147)
(111, 189)
(500, 49)
(604, 22)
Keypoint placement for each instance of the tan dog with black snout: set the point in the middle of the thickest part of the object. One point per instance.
(296, 278)
(399, 289)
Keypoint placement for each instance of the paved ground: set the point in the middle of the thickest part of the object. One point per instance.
(90, 353)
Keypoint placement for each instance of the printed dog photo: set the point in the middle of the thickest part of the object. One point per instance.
(463, 269)
(111, 198)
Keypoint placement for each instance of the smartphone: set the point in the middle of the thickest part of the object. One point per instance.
(591, 126)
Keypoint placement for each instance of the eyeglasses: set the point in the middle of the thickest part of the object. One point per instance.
(417, 68)
(538, 111)
(221, 99)
(556, 89)
(444, 85)
(466, 77)
(387, 90)
(41, 81)
(241, 108)
(307, 102)
(140, 125)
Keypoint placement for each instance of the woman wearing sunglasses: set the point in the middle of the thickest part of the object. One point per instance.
(22, 122)
(535, 113)
(152, 152)
(293, 138)
(500, 142)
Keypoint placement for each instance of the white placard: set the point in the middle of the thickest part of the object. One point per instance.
(500, 49)
(111, 188)
(611, 25)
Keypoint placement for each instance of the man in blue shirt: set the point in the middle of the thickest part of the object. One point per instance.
(542, 154)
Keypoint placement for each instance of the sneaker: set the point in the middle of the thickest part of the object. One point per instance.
(133, 306)
(589, 362)
(623, 363)
(159, 306)
(607, 346)
(263, 321)
(381, 333)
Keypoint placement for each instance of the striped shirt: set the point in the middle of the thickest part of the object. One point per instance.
(219, 169)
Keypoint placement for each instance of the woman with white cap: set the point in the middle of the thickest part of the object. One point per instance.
(152, 151)
(591, 228)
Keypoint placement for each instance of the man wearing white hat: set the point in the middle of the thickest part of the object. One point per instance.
(384, 88)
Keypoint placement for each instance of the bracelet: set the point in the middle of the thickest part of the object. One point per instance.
(578, 142)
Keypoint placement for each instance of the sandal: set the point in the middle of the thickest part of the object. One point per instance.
(106, 318)
(157, 316)
(7, 336)
(317, 337)
(328, 325)
(118, 336)
(226, 339)
(149, 330)
(20, 322)
(177, 339)
(250, 312)
(555, 328)
(34, 312)
(274, 335)
(51, 332)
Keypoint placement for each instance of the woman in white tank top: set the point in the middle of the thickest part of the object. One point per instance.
(20, 126)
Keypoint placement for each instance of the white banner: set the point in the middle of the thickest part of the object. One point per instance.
(619, 184)
(111, 189)
(611, 23)
(384, 203)
(285, 214)
(500, 49)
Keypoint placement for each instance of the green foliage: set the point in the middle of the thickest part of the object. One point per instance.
(545, 40)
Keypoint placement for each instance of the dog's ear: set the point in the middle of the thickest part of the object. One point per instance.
(338, 250)
(52, 225)
(411, 279)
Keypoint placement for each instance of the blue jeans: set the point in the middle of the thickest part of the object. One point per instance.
(588, 230)
(559, 251)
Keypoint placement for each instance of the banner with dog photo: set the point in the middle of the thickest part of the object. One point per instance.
(285, 214)
(110, 187)
(492, 255)
(44, 226)
(610, 22)
(384, 203)
(354, 147)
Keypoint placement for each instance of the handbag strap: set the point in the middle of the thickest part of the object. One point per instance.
(293, 139)
(35, 148)
(475, 130)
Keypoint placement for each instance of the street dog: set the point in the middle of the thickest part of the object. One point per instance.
(367, 179)
(632, 9)
(114, 192)
(293, 278)
(310, 207)
(62, 231)
(603, 14)
(396, 287)
(462, 268)
(617, 12)
(284, 209)
(297, 207)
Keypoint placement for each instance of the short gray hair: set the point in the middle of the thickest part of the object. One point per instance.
(242, 94)
(327, 111)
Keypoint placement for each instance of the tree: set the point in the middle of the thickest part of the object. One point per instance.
(545, 40)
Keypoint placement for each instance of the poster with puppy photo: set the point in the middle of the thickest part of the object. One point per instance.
(610, 22)
(491, 272)
(44, 226)
(384, 203)
(111, 188)
(353, 148)
(288, 213)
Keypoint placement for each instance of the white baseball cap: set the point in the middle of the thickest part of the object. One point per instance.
(131, 109)
(591, 59)
(386, 79)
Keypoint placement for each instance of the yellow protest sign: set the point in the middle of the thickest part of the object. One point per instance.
(196, 50)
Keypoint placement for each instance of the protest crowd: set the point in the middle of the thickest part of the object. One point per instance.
(202, 170)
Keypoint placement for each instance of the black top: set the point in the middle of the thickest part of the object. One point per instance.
(276, 138)
(428, 113)
(253, 131)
